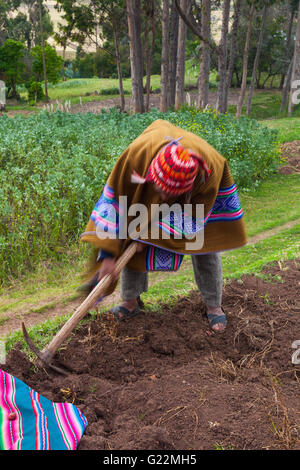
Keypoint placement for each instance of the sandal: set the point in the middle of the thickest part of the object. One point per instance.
(214, 319)
(122, 313)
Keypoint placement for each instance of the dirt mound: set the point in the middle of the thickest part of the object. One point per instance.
(291, 152)
(164, 381)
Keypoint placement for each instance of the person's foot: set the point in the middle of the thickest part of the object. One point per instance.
(217, 324)
(129, 304)
(127, 309)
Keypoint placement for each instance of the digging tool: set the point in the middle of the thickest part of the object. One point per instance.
(47, 354)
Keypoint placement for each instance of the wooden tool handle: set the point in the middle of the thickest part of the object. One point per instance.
(83, 309)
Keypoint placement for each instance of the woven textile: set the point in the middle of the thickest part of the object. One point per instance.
(106, 212)
(227, 206)
(158, 259)
(29, 421)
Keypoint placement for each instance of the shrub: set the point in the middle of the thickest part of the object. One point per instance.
(112, 91)
(35, 91)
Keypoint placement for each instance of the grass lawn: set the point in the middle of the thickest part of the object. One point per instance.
(288, 128)
(266, 103)
(271, 204)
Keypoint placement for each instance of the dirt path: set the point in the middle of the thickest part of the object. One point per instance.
(95, 106)
(191, 97)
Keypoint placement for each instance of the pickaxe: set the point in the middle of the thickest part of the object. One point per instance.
(48, 353)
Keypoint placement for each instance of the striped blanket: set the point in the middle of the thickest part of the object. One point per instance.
(29, 421)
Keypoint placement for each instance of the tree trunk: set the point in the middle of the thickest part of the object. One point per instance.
(43, 53)
(245, 63)
(180, 70)
(149, 56)
(173, 44)
(257, 57)
(118, 59)
(296, 66)
(14, 92)
(286, 86)
(288, 43)
(203, 81)
(222, 59)
(136, 56)
(233, 48)
(165, 58)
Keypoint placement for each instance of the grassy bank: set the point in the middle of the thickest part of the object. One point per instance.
(288, 128)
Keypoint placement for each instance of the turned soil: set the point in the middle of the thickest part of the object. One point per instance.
(164, 381)
(291, 153)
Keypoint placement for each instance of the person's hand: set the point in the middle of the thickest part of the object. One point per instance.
(108, 267)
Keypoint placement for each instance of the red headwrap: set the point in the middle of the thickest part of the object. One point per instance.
(174, 169)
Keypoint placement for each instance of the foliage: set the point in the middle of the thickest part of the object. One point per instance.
(85, 66)
(6, 8)
(24, 25)
(112, 91)
(11, 64)
(35, 90)
(53, 168)
(54, 63)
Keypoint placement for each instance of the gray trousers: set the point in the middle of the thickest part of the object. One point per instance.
(207, 272)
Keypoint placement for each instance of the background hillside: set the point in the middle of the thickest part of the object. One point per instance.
(89, 47)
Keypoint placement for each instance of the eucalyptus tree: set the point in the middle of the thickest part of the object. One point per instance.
(287, 76)
(202, 31)
(6, 7)
(233, 46)
(87, 20)
(265, 6)
(204, 71)
(136, 54)
(245, 59)
(180, 69)
(164, 77)
(295, 80)
(221, 105)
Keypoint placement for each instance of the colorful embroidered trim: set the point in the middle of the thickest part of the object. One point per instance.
(106, 212)
(182, 224)
(158, 259)
(29, 421)
(227, 206)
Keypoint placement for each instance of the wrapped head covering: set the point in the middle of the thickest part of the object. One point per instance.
(174, 169)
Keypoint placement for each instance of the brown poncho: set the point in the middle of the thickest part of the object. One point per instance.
(223, 224)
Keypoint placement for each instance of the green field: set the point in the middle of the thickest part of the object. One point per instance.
(266, 103)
